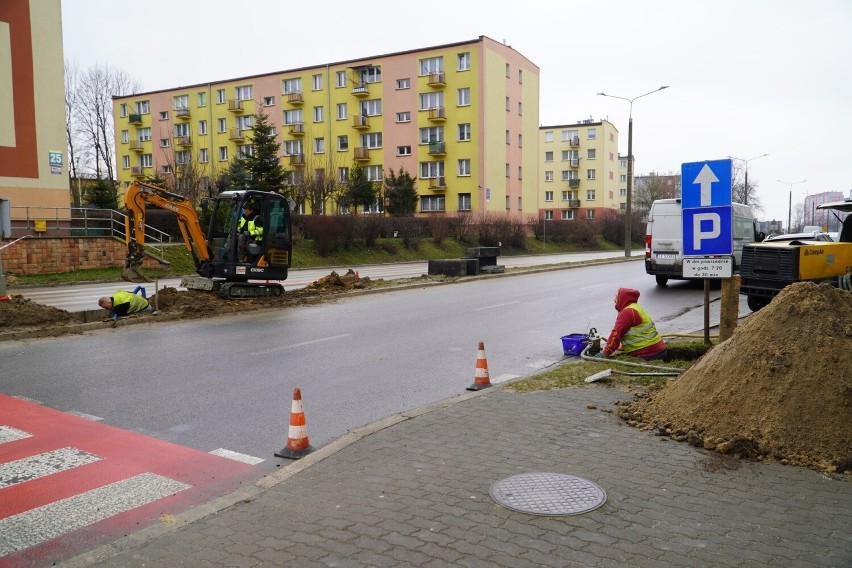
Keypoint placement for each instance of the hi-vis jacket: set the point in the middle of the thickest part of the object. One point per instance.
(124, 303)
(634, 329)
(255, 230)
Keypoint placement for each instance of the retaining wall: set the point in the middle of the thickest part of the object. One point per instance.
(43, 255)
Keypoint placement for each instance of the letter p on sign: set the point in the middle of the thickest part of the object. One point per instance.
(705, 226)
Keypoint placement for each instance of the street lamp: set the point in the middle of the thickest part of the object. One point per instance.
(790, 204)
(628, 209)
(745, 193)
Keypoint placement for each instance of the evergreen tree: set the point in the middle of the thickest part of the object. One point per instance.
(264, 165)
(401, 193)
(360, 191)
(103, 193)
(237, 176)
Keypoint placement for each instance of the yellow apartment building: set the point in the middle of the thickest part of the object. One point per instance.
(455, 116)
(581, 171)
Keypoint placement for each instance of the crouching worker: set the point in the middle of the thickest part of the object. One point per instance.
(125, 303)
(634, 330)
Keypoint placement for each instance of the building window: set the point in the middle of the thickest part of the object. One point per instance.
(342, 111)
(507, 170)
(319, 145)
(318, 82)
(293, 116)
(464, 132)
(146, 160)
(590, 213)
(317, 114)
(591, 133)
(622, 178)
(464, 96)
(403, 116)
(292, 147)
(223, 153)
(164, 115)
(464, 167)
(548, 156)
(372, 107)
(143, 134)
(464, 202)
(372, 140)
(243, 93)
(520, 204)
(590, 195)
(202, 127)
(431, 66)
(182, 157)
(548, 175)
(341, 79)
(508, 104)
(520, 140)
(182, 129)
(590, 174)
(222, 125)
(180, 102)
(548, 196)
(125, 162)
(520, 75)
(568, 215)
(520, 172)
(343, 174)
(508, 138)
(431, 100)
(143, 107)
(291, 86)
(520, 109)
(403, 150)
(463, 62)
(125, 136)
(432, 203)
(431, 170)
(343, 143)
(202, 99)
(374, 173)
(403, 83)
(591, 154)
(164, 143)
(166, 169)
(203, 156)
(220, 96)
(268, 101)
(245, 122)
(623, 163)
(508, 70)
(569, 135)
(371, 74)
(431, 134)
(123, 110)
(507, 203)
(548, 136)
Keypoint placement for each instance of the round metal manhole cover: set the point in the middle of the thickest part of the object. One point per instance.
(548, 494)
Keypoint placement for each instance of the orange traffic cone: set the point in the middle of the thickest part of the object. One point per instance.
(298, 445)
(480, 377)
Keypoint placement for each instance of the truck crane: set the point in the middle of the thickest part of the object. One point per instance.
(226, 259)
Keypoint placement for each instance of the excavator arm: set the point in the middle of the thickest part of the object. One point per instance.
(138, 196)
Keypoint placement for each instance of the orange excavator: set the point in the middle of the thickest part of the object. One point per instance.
(227, 258)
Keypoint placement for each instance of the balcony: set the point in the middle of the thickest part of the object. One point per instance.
(297, 128)
(136, 171)
(361, 90)
(438, 114)
(575, 163)
(360, 122)
(183, 141)
(437, 80)
(362, 154)
(572, 203)
(235, 105)
(297, 159)
(295, 98)
(236, 134)
(136, 145)
(574, 141)
(573, 183)
(182, 113)
(438, 183)
(437, 148)
(135, 118)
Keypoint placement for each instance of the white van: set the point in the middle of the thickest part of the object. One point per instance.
(664, 238)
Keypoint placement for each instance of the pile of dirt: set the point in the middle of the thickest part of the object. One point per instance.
(350, 280)
(19, 312)
(780, 388)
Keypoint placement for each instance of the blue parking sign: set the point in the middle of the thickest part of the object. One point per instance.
(707, 231)
(705, 184)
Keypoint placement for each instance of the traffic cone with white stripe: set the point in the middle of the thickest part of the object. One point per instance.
(480, 377)
(298, 445)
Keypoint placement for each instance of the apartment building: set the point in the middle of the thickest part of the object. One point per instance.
(823, 218)
(455, 116)
(580, 170)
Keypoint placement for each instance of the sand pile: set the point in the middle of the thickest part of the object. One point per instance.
(780, 388)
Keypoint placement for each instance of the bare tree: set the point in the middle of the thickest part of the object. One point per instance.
(317, 187)
(648, 189)
(185, 175)
(72, 134)
(739, 192)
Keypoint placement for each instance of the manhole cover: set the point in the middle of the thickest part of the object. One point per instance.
(548, 494)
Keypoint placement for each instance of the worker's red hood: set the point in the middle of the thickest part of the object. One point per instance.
(625, 297)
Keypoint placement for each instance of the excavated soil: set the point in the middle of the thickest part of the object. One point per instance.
(20, 312)
(780, 388)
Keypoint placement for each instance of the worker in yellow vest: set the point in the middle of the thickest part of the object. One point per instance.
(634, 330)
(123, 303)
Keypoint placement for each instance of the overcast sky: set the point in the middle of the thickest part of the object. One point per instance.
(746, 77)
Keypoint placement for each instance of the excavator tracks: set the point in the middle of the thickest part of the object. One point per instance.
(245, 290)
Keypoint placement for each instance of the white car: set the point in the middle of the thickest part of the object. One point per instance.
(814, 236)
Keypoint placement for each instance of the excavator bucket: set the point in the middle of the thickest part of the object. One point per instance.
(132, 274)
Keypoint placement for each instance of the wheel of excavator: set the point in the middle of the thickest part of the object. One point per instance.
(277, 291)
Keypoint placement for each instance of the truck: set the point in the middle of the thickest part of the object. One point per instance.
(664, 238)
(770, 266)
(225, 260)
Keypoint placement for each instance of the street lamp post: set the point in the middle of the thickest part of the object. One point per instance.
(745, 192)
(790, 203)
(628, 207)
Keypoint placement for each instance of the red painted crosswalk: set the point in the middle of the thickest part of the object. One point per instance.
(68, 484)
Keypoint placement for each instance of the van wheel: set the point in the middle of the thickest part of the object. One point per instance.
(756, 302)
(662, 280)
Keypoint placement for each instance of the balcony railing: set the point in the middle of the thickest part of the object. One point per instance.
(183, 141)
(362, 154)
(235, 105)
(360, 90)
(136, 171)
(297, 128)
(437, 114)
(575, 162)
(297, 159)
(360, 121)
(135, 119)
(573, 183)
(136, 145)
(574, 141)
(295, 98)
(182, 113)
(439, 182)
(236, 134)
(437, 148)
(437, 79)
(572, 203)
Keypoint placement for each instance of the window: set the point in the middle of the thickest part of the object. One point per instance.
(591, 154)
(145, 160)
(372, 107)
(520, 172)
(245, 122)
(343, 174)
(182, 129)
(125, 136)
(164, 143)
(164, 115)
(243, 93)
(374, 173)
(293, 116)
(548, 196)
(342, 111)
(403, 116)
(590, 213)
(371, 140)
(123, 111)
(317, 82)
(431, 134)
(343, 143)
(520, 204)
(590, 174)
(591, 133)
(431, 66)
(463, 62)
(403, 150)
(568, 175)
(268, 101)
(431, 100)
(125, 162)
(566, 195)
(291, 86)
(464, 132)
(622, 178)
(292, 147)
(590, 195)
(520, 75)
(548, 156)
(203, 156)
(202, 127)
(508, 137)
(166, 169)
(464, 167)
(319, 145)
(507, 203)
(623, 163)
(220, 96)
(520, 140)
(182, 157)
(611, 157)
(371, 74)
(508, 104)
(611, 176)
(548, 136)
(318, 114)
(548, 175)
(403, 83)
(520, 109)
(142, 107)
(569, 135)
(223, 153)
(202, 99)
(341, 79)
(464, 96)
(508, 70)
(433, 203)
(507, 170)
(568, 215)
(431, 170)
(143, 134)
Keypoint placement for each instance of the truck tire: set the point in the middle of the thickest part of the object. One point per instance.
(662, 280)
(756, 302)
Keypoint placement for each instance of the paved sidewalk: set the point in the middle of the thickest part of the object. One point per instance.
(413, 490)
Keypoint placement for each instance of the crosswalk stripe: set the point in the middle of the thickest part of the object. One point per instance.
(230, 454)
(40, 465)
(39, 525)
(9, 434)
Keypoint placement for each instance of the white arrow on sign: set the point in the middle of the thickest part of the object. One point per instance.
(705, 178)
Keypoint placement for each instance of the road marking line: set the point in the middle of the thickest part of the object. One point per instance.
(496, 306)
(9, 434)
(91, 417)
(39, 525)
(285, 347)
(594, 286)
(251, 460)
(42, 465)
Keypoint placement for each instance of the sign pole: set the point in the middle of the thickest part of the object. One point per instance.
(706, 311)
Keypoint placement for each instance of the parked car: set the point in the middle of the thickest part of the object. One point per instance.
(815, 236)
